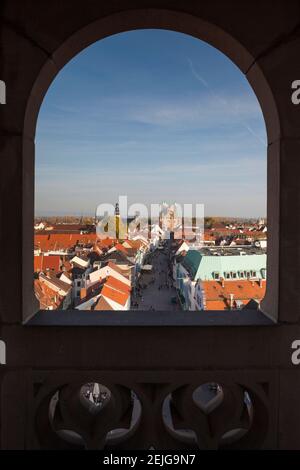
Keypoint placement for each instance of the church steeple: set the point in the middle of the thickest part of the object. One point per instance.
(117, 220)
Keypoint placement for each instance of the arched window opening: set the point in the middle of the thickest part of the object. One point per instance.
(150, 181)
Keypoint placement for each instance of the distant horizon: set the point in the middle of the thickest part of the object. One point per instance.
(93, 216)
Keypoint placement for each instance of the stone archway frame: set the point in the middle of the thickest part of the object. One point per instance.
(154, 19)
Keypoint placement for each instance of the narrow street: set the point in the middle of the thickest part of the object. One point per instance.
(156, 290)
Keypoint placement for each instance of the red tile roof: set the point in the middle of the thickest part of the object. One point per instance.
(117, 284)
(216, 305)
(55, 282)
(120, 247)
(42, 263)
(124, 272)
(115, 295)
(48, 298)
(62, 241)
(106, 242)
(218, 297)
(102, 304)
(137, 244)
(67, 266)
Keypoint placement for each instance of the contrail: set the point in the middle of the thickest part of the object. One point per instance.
(224, 102)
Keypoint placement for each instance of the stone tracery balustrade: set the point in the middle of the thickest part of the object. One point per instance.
(203, 414)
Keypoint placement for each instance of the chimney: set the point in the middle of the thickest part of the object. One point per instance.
(222, 280)
(260, 283)
(231, 300)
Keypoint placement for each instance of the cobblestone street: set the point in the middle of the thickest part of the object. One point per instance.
(157, 295)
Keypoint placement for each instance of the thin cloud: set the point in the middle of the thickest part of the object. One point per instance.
(226, 103)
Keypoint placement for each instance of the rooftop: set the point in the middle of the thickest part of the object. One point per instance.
(219, 295)
(204, 263)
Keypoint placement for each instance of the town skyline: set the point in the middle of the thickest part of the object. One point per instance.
(92, 215)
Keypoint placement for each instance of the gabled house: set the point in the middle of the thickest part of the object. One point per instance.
(62, 290)
(117, 298)
(119, 258)
(80, 270)
(109, 269)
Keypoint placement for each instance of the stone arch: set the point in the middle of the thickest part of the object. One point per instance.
(154, 19)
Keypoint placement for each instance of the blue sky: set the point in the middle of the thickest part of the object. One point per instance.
(154, 115)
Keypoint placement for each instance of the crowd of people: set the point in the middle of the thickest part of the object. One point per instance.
(159, 278)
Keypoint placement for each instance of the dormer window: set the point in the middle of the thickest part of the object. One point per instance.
(264, 273)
